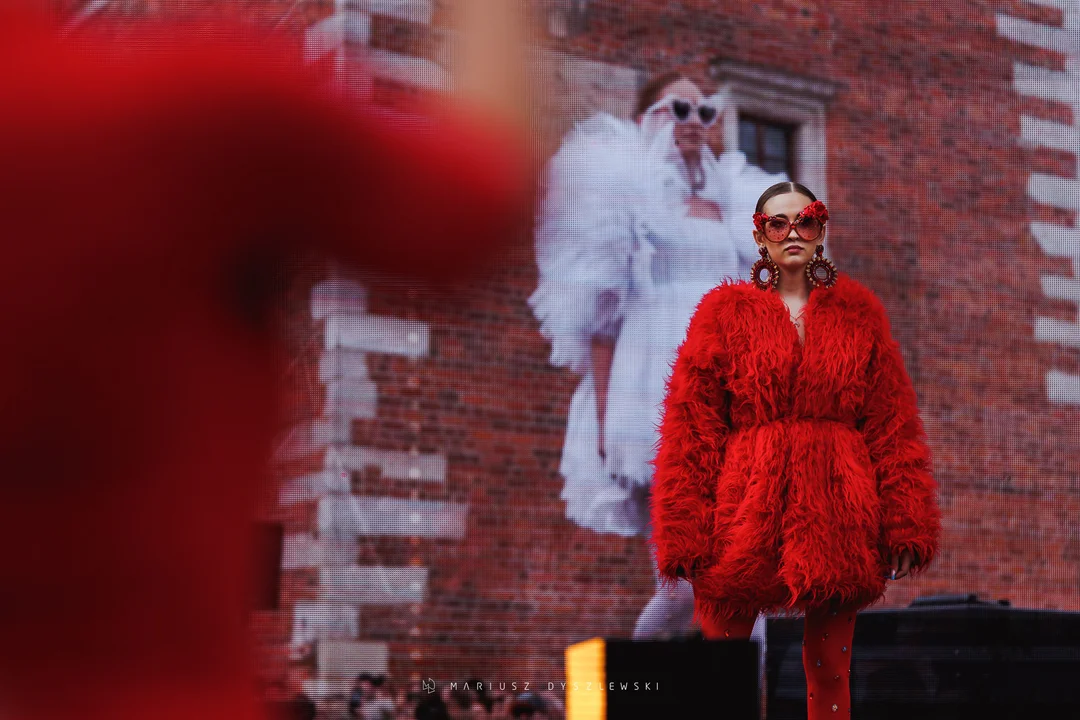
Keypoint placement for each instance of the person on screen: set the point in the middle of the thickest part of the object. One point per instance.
(378, 704)
(152, 187)
(793, 473)
(362, 688)
(640, 220)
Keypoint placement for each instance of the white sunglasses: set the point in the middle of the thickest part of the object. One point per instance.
(682, 109)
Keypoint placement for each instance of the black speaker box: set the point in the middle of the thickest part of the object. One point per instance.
(615, 679)
(948, 657)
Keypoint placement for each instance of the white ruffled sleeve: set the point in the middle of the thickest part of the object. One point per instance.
(742, 185)
(585, 238)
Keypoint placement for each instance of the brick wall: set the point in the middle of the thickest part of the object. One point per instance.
(935, 183)
(419, 487)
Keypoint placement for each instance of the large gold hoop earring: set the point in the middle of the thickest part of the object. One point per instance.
(765, 264)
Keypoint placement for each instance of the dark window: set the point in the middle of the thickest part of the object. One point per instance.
(767, 144)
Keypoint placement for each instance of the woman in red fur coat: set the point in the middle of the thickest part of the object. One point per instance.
(792, 472)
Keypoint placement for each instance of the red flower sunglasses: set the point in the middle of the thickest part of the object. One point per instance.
(808, 224)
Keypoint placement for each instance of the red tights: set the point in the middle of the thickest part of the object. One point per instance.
(826, 657)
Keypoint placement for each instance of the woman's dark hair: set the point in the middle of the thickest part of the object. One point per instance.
(779, 189)
(651, 91)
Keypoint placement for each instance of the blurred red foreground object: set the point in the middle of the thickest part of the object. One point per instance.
(143, 196)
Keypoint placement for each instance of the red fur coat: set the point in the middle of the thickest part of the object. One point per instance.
(789, 471)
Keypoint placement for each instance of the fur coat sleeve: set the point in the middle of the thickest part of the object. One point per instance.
(894, 434)
(693, 432)
(598, 183)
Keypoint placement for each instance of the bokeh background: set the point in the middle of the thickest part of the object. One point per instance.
(418, 479)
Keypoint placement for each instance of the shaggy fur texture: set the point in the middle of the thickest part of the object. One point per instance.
(788, 472)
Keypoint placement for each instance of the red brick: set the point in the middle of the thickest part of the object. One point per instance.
(927, 189)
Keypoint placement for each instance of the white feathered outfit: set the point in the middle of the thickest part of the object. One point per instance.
(619, 256)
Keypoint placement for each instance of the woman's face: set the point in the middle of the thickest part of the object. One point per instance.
(689, 135)
(793, 253)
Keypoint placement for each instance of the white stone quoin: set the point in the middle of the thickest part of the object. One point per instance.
(392, 464)
(324, 621)
(346, 658)
(328, 36)
(338, 294)
(349, 516)
(307, 488)
(1031, 33)
(374, 585)
(1059, 241)
(416, 11)
(352, 398)
(303, 550)
(1060, 192)
(331, 626)
(343, 363)
(373, 333)
(1046, 133)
